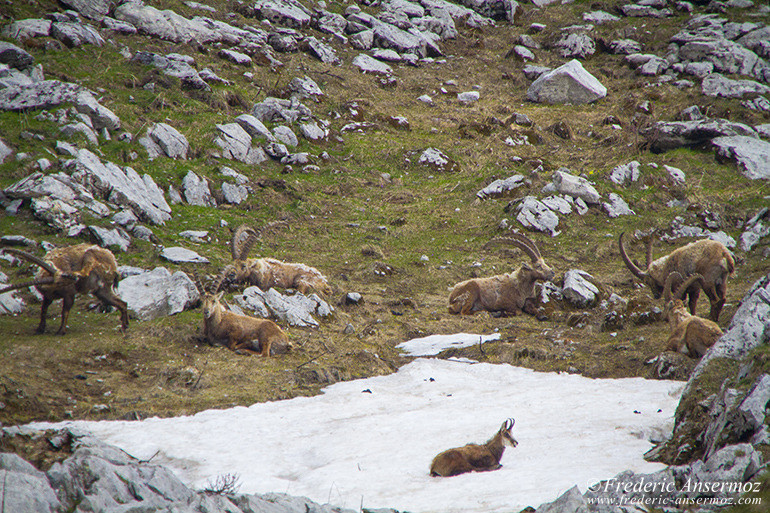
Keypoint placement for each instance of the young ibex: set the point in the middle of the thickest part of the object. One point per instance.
(709, 258)
(64, 272)
(511, 293)
(690, 334)
(474, 457)
(241, 333)
(269, 272)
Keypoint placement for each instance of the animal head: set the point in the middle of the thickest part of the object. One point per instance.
(48, 277)
(539, 269)
(505, 432)
(236, 272)
(656, 287)
(211, 303)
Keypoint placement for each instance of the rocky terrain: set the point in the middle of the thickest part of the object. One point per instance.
(384, 143)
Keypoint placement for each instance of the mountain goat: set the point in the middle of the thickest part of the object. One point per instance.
(269, 272)
(64, 272)
(512, 293)
(690, 334)
(474, 457)
(709, 258)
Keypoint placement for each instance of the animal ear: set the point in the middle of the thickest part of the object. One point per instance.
(219, 295)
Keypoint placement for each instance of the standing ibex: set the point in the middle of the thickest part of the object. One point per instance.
(706, 257)
(474, 457)
(64, 272)
(240, 333)
(690, 334)
(269, 272)
(512, 293)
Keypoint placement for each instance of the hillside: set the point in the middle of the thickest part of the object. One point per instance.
(360, 206)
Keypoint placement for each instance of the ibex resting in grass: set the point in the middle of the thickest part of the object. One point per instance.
(269, 272)
(709, 258)
(474, 457)
(64, 272)
(511, 293)
(240, 333)
(690, 334)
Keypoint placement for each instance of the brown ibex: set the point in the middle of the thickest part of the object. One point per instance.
(64, 272)
(511, 293)
(474, 457)
(709, 258)
(269, 272)
(690, 334)
(240, 333)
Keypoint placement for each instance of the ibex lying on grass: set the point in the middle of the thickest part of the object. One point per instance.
(690, 334)
(64, 272)
(269, 272)
(709, 258)
(474, 457)
(241, 333)
(512, 293)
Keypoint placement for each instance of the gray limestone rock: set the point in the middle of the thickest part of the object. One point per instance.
(579, 290)
(196, 191)
(501, 187)
(110, 238)
(234, 194)
(716, 84)
(751, 154)
(535, 215)
(236, 144)
(617, 206)
(575, 186)
(668, 135)
(169, 140)
(27, 29)
(179, 255)
(76, 34)
(295, 310)
(569, 83)
(158, 293)
(625, 174)
(371, 65)
(14, 56)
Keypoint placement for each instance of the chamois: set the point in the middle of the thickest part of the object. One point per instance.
(270, 272)
(512, 293)
(709, 258)
(474, 457)
(690, 334)
(66, 271)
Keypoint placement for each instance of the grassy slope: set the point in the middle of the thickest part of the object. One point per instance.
(162, 368)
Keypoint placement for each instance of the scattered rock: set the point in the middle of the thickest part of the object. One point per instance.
(437, 161)
(158, 293)
(535, 215)
(751, 154)
(296, 309)
(196, 191)
(569, 83)
(179, 255)
(575, 186)
(579, 290)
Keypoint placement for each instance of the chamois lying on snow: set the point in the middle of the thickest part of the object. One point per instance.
(474, 457)
(709, 258)
(269, 272)
(690, 334)
(66, 271)
(512, 293)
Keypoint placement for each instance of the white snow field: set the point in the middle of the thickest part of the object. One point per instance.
(434, 344)
(370, 442)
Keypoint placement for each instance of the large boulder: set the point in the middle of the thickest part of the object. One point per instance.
(158, 293)
(750, 153)
(535, 215)
(569, 83)
(295, 310)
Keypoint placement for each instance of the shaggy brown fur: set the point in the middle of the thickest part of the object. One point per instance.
(709, 258)
(474, 457)
(80, 269)
(690, 334)
(511, 293)
(241, 333)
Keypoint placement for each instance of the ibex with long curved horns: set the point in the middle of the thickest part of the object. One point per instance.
(474, 457)
(709, 258)
(512, 293)
(269, 272)
(690, 334)
(64, 272)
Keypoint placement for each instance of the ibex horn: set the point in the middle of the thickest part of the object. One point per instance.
(236, 246)
(32, 258)
(520, 242)
(41, 281)
(693, 278)
(631, 266)
(668, 295)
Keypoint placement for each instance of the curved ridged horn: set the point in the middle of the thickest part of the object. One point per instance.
(631, 266)
(236, 243)
(32, 283)
(518, 241)
(667, 293)
(649, 248)
(693, 278)
(32, 258)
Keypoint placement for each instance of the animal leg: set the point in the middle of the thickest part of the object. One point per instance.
(67, 302)
(108, 297)
(240, 348)
(717, 297)
(693, 293)
(43, 313)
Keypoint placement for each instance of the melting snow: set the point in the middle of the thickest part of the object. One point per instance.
(371, 441)
(434, 344)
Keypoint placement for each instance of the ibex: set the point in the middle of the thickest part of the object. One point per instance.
(64, 272)
(709, 258)
(241, 333)
(690, 334)
(269, 272)
(474, 457)
(512, 293)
